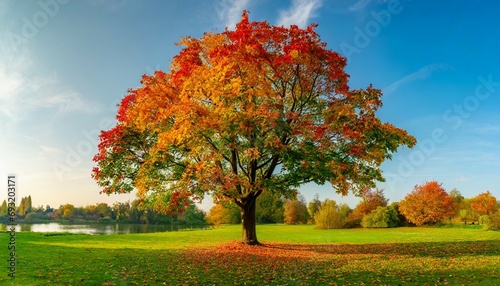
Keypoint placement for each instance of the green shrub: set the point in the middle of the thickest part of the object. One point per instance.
(484, 220)
(381, 217)
(33, 217)
(493, 221)
(331, 215)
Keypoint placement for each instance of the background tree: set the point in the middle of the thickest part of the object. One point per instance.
(220, 214)
(25, 206)
(456, 200)
(295, 211)
(313, 207)
(484, 203)
(29, 207)
(381, 217)
(269, 208)
(371, 199)
(90, 212)
(103, 210)
(331, 215)
(66, 211)
(192, 216)
(136, 213)
(402, 221)
(427, 203)
(48, 209)
(259, 108)
(3, 208)
(493, 221)
(121, 211)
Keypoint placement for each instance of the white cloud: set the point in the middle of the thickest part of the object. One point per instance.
(422, 73)
(229, 11)
(299, 14)
(22, 93)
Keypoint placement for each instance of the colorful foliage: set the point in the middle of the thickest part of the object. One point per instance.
(484, 203)
(260, 108)
(427, 203)
(295, 211)
(331, 215)
(297, 255)
(371, 199)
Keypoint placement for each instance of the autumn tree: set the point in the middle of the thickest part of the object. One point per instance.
(219, 214)
(25, 206)
(313, 207)
(259, 108)
(67, 211)
(295, 211)
(427, 203)
(484, 203)
(331, 215)
(371, 199)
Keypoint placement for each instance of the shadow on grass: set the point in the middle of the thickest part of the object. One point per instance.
(435, 249)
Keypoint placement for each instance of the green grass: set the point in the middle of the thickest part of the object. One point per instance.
(291, 255)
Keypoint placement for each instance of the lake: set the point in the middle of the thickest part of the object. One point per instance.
(94, 228)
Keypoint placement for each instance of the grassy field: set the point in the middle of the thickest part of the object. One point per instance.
(291, 255)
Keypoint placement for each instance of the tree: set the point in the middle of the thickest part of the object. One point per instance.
(269, 208)
(313, 207)
(493, 221)
(3, 208)
(192, 216)
(331, 215)
(260, 108)
(295, 211)
(29, 204)
(67, 211)
(25, 206)
(103, 210)
(427, 203)
(219, 214)
(484, 203)
(371, 199)
(121, 211)
(136, 213)
(381, 217)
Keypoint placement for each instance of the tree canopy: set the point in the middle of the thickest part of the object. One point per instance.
(427, 203)
(260, 108)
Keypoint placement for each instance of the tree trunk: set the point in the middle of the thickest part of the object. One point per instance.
(249, 233)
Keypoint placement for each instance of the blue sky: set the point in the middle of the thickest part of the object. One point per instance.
(64, 64)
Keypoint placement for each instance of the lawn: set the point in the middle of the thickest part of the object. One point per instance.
(291, 255)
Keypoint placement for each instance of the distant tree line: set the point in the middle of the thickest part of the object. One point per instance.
(427, 204)
(127, 212)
